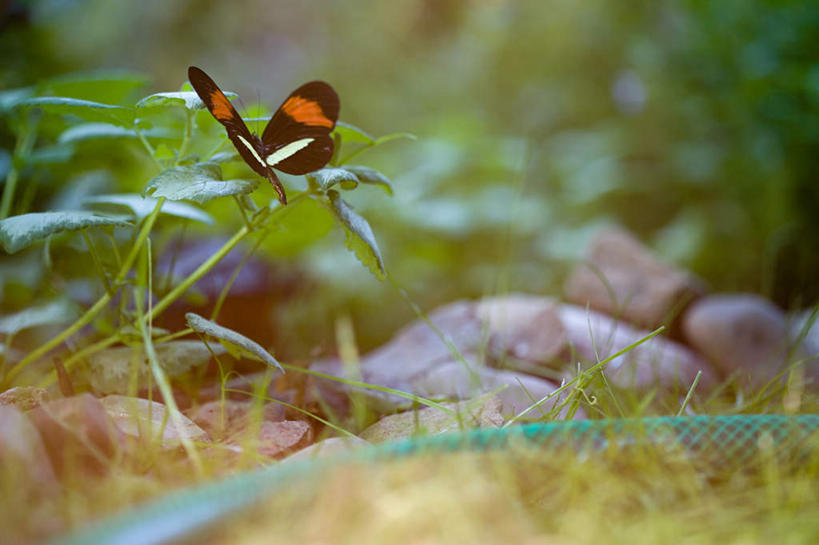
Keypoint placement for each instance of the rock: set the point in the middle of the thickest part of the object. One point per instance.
(638, 286)
(328, 447)
(219, 419)
(739, 333)
(110, 369)
(24, 398)
(411, 353)
(278, 439)
(21, 448)
(524, 327)
(77, 433)
(142, 419)
(414, 349)
(418, 361)
(658, 362)
(454, 380)
(475, 413)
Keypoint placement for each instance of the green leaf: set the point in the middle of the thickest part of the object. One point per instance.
(89, 131)
(200, 183)
(93, 131)
(206, 327)
(164, 153)
(367, 175)
(224, 157)
(359, 235)
(51, 154)
(295, 232)
(12, 97)
(56, 312)
(395, 136)
(351, 133)
(18, 232)
(143, 206)
(188, 99)
(85, 109)
(328, 177)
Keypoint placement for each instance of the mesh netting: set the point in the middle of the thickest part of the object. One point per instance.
(735, 440)
(725, 440)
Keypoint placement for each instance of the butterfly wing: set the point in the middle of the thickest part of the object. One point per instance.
(220, 107)
(297, 138)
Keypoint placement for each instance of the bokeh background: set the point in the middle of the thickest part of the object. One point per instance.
(693, 124)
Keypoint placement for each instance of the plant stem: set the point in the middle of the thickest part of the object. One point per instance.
(101, 303)
(148, 147)
(25, 141)
(183, 147)
(158, 373)
(97, 262)
(264, 215)
(191, 279)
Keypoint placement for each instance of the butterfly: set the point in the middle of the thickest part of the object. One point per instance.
(297, 138)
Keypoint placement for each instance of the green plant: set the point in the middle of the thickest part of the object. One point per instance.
(179, 153)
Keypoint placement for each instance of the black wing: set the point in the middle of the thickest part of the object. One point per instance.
(297, 138)
(246, 143)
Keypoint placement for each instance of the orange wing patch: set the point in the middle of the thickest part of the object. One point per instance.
(221, 107)
(306, 111)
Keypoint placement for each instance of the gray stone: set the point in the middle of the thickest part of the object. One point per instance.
(142, 419)
(78, 433)
(24, 398)
(656, 362)
(474, 413)
(454, 380)
(739, 333)
(638, 286)
(328, 447)
(415, 348)
(21, 448)
(526, 327)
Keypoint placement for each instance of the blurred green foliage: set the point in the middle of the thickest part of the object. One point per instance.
(694, 124)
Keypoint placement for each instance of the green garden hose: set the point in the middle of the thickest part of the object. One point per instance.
(731, 442)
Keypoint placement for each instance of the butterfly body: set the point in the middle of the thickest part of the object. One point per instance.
(297, 138)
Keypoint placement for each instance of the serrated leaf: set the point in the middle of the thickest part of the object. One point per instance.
(188, 99)
(90, 111)
(359, 235)
(143, 206)
(200, 183)
(110, 369)
(351, 133)
(18, 232)
(367, 175)
(56, 312)
(207, 327)
(326, 178)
